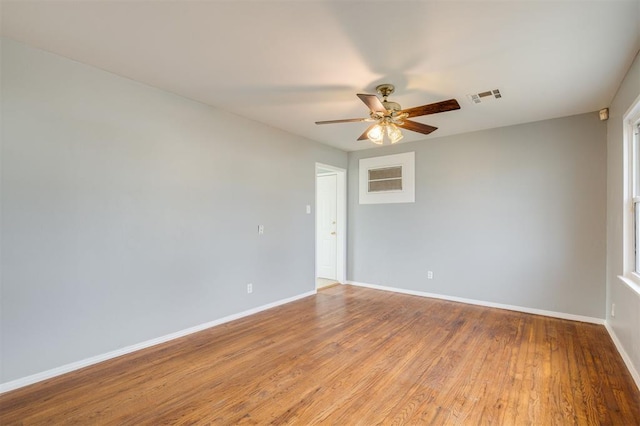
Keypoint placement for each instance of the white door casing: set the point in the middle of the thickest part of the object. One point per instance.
(326, 253)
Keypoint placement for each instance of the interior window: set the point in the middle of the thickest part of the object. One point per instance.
(636, 194)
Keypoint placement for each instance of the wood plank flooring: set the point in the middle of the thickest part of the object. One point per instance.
(353, 356)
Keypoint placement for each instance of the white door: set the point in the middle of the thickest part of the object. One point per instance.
(326, 250)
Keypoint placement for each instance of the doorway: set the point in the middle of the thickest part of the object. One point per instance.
(330, 225)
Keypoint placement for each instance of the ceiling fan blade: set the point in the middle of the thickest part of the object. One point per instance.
(414, 126)
(373, 102)
(364, 136)
(435, 108)
(348, 120)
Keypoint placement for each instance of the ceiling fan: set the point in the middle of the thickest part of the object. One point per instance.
(387, 115)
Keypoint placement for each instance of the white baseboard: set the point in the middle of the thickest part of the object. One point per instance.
(625, 357)
(552, 314)
(38, 377)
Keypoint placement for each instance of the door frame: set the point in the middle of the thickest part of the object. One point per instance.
(341, 219)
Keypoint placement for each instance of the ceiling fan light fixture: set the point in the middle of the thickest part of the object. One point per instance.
(376, 134)
(394, 133)
(390, 115)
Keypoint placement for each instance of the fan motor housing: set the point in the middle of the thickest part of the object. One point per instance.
(391, 106)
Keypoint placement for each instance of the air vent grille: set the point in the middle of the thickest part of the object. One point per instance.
(488, 95)
(385, 179)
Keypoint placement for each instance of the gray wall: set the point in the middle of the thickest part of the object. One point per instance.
(513, 215)
(626, 324)
(129, 213)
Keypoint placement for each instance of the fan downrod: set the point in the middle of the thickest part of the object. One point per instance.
(385, 90)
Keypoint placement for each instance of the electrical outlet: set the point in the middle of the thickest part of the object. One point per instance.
(260, 229)
(308, 209)
(429, 275)
(249, 288)
(613, 310)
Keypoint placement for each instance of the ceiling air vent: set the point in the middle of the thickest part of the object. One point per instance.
(489, 95)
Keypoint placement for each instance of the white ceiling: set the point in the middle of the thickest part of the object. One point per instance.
(291, 63)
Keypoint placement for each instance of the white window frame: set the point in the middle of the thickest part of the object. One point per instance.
(406, 195)
(631, 197)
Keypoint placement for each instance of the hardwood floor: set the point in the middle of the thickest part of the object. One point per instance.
(325, 282)
(353, 356)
